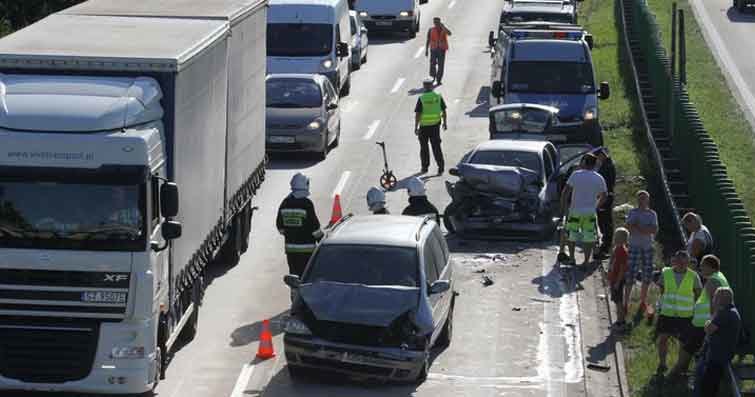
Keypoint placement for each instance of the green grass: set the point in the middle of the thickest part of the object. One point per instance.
(719, 110)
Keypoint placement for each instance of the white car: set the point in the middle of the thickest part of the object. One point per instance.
(359, 41)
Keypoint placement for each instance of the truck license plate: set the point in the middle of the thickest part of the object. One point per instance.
(281, 139)
(103, 297)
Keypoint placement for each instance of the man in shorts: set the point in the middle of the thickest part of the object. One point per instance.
(680, 288)
(585, 190)
(642, 223)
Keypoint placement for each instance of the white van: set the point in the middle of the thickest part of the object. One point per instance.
(390, 15)
(310, 36)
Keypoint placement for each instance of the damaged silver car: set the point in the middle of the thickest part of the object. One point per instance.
(376, 296)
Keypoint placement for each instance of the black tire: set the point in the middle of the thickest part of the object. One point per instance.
(162, 359)
(444, 339)
(364, 60)
(422, 376)
(412, 32)
(295, 372)
(356, 66)
(346, 89)
(337, 141)
(246, 228)
(448, 215)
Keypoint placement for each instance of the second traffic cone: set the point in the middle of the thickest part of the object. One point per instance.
(337, 214)
(265, 349)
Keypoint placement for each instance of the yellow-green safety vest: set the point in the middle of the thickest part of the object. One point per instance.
(677, 301)
(431, 109)
(702, 306)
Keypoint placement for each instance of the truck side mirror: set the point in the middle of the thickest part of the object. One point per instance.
(605, 90)
(491, 39)
(590, 40)
(171, 230)
(169, 199)
(497, 89)
(292, 280)
(342, 50)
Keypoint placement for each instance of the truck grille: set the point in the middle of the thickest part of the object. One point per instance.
(71, 294)
(47, 352)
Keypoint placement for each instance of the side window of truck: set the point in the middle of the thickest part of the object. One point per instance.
(155, 202)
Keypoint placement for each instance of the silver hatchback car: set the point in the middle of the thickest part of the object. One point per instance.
(302, 114)
(376, 296)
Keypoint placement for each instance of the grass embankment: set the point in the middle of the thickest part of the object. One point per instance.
(719, 110)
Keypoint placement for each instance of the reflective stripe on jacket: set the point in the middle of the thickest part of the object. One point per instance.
(677, 301)
(431, 109)
(702, 307)
(438, 39)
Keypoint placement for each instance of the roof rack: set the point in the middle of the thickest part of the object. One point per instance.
(425, 219)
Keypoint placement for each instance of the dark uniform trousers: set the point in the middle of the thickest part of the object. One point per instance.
(430, 134)
(297, 262)
(605, 223)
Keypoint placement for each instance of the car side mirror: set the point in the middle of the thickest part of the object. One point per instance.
(332, 106)
(342, 50)
(292, 280)
(497, 89)
(605, 90)
(454, 171)
(439, 287)
(590, 40)
(169, 199)
(171, 230)
(491, 39)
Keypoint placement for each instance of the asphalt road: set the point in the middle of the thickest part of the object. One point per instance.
(730, 34)
(518, 337)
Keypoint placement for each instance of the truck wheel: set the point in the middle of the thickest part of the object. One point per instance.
(413, 31)
(162, 353)
(246, 228)
(190, 329)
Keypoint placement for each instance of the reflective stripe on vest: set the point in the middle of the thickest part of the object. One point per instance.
(300, 248)
(702, 307)
(431, 109)
(293, 217)
(438, 39)
(677, 301)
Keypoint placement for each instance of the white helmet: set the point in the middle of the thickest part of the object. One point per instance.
(416, 187)
(375, 199)
(300, 185)
(429, 80)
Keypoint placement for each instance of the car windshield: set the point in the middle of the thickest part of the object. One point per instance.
(363, 264)
(293, 93)
(551, 77)
(526, 120)
(537, 16)
(299, 39)
(514, 158)
(93, 212)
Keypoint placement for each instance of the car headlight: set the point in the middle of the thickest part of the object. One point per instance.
(405, 13)
(127, 352)
(362, 13)
(296, 326)
(327, 64)
(590, 114)
(315, 125)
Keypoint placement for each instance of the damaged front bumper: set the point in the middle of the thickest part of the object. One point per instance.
(359, 362)
(498, 227)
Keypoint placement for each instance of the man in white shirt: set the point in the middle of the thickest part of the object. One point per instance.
(587, 190)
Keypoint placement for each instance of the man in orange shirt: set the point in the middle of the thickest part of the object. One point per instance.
(436, 47)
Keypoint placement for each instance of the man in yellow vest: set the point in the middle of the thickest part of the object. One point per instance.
(680, 288)
(710, 269)
(429, 112)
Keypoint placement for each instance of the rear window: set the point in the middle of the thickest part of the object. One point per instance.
(527, 160)
(367, 265)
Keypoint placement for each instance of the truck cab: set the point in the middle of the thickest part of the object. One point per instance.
(548, 64)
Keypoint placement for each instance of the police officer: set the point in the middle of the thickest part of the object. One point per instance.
(298, 223)
(429, 112)
(376, 201)
(680, 288)
(419, 205)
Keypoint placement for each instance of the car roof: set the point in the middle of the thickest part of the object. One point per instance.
(512, 144)
(383, 230)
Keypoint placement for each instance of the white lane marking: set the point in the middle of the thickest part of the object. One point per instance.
(243, 380)
(500, 382)
(419, 53)
(724, 57)
(398, 84)
(342, 183)
(451, 4)
(371, 129)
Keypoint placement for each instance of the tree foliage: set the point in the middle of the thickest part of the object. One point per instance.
(15, 14)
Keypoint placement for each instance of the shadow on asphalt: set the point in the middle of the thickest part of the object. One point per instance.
(481, 110)
(735, 16)
(250, 333)
(291, 161)
(386, 38)
(563, 280)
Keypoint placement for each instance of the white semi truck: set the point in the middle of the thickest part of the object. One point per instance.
(105, 117)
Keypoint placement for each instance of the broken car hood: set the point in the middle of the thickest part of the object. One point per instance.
(365, 305)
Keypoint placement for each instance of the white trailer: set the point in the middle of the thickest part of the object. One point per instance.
(103, 119)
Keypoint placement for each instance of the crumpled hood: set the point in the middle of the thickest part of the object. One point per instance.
(361, 304)
(570, 106)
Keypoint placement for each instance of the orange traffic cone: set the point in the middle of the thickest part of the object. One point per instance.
(265, 349)
(337, 214)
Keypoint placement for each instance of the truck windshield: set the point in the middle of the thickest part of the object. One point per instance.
(551, 77)
(522, 120)
(299, 39)
(293, 93)
(363, 264)
(67, 215)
